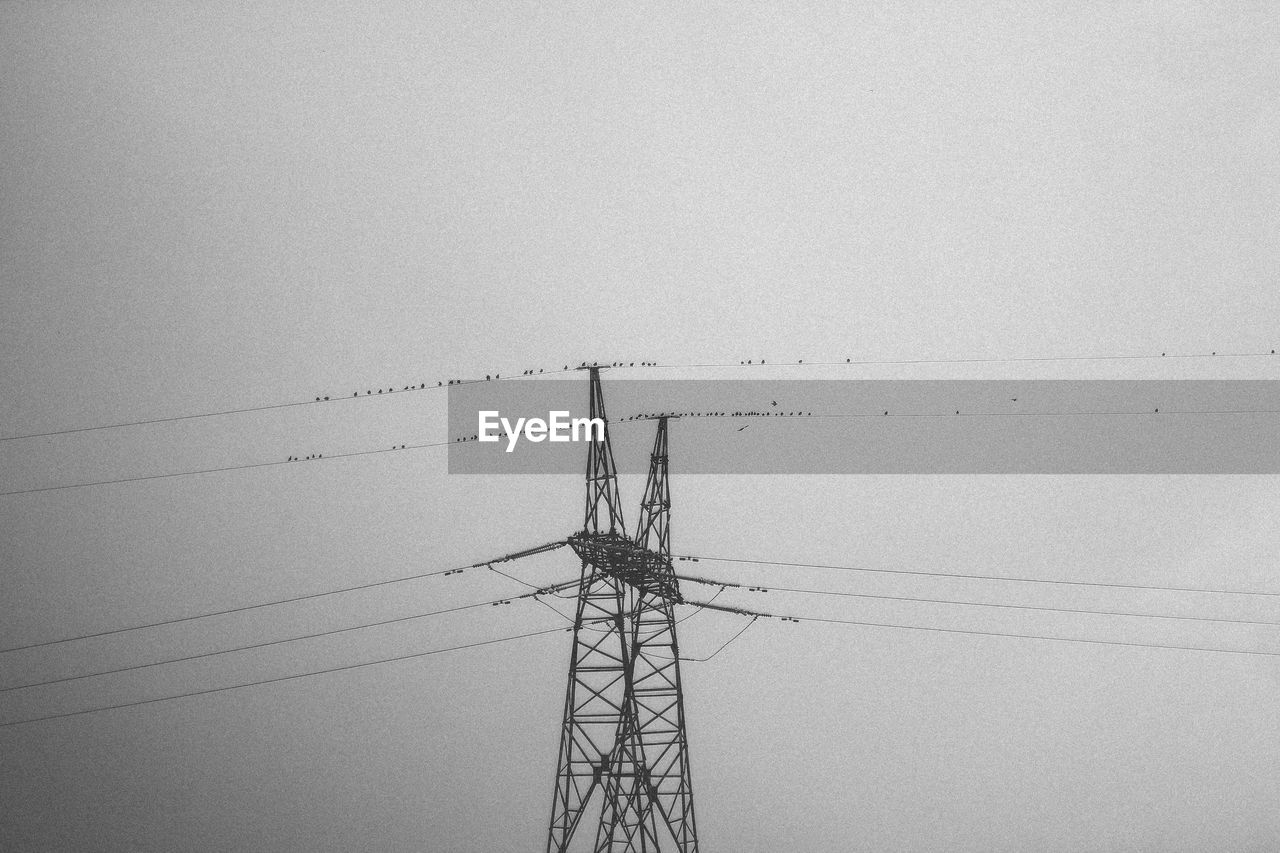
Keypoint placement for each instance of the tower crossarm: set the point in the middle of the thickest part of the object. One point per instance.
(619, 556)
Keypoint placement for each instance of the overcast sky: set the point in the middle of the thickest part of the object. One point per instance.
(209, 206)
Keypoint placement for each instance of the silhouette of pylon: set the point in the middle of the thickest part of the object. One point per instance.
(624, 728)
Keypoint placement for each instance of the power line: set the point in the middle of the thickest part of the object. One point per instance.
(522, 583)
(268, 643)
(529, 552)
(172, 418)
(225, 468)
(698, 610)
(440, 385)
(851, 362)
(1133, 644)
(922, 573)
(244, 467)
(648, 417)
(568, 619)
(721, 584)
(279, 678)
(587, 622)
(423, 386)
(282, 641)
(548, 590)
(948, 415)
(726, 642)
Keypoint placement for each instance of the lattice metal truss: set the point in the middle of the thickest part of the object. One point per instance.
(624, 725)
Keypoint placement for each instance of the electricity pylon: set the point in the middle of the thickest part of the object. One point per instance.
(624, 728)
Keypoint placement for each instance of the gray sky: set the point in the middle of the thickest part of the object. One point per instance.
(210, 206)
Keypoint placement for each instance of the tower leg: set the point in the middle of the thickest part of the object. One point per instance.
(594, 702)
(655, 681)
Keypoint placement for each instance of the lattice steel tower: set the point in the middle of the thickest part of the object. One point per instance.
(624, 730)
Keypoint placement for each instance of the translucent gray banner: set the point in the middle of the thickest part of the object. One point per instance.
(879, 426)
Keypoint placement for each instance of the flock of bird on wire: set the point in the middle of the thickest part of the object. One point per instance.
(648, 416)
(583, 366)
(422, 386)
(490, 377)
